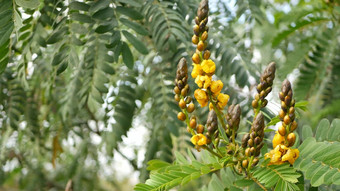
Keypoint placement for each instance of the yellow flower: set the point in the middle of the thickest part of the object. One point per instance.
(211, 106)
(201, 97)
(203, 81)
(197, 70)
(199, 139)
(291, 155)
(216, 87)
(278, 139)
(208, 66)
(222, 100)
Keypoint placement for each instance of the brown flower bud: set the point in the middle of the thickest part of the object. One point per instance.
(255, 161)
(181, 116)
(291, 139)
(250, 142)
(204, 35)
(286, 87)
(191, 107)
(196, 30)
(194, 39)
(281, 96)
(200, 128)
(200, 46)
(245, 163)
(193, 123)
(254, 103)
(282, 130)
(176, 90)
(293, 126)
(196, 58)
(177, 97)
(182, 104)
(286, 120)
(206, 55)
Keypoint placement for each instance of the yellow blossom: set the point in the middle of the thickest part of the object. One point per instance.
(203, 81)
(216, 87)
(208, 66)
(211, 106)
(197, 70)
(291, 155)
(222, 100)
(278, 139)
(201, 97)
(199, 139)
(281, 153)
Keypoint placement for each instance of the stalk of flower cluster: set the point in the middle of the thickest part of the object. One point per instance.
(184, 101)
(285, 137)
(204, 68)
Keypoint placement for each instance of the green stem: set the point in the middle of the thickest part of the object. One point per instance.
(211, 151)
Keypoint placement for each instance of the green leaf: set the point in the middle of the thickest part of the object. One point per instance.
(76, 5)
(106, 13)
(140, 47)
(30, 4)
(306, 132)
(300, 24)
(322, 130)
(280, 175)
(134, 26)
(81, 18)
(319, 161)
(130, 12)
(127, 56)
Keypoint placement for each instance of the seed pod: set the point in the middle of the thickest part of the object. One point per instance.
(194, 39)
(181, 116)
(182, 104)
(282, 131)
(200, 46)
(291, 139)
(206, 55)
(191, 107)
(245, 163)
(200, 129)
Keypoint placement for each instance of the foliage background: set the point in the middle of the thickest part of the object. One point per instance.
(77, 76)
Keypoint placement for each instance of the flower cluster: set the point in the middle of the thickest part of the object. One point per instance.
(285, 138)
(254, 142)
(203, 67)
(264, 87)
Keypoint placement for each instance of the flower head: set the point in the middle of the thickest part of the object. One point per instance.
(208, 66)
(199, 139)
(202, 97)
(216, 87)
(203, 81)
(291, 155)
